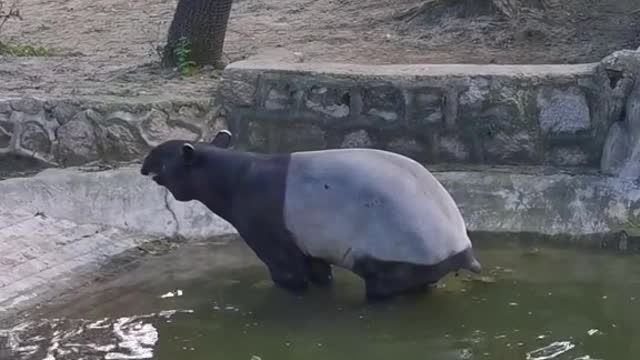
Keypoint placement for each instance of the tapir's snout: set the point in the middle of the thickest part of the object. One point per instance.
(145, 171)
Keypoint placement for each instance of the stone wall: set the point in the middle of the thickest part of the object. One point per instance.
(492, 114)
(74, 132)
(621, 154)
(559, 115)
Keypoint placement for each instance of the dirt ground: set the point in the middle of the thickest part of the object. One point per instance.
(108, 47)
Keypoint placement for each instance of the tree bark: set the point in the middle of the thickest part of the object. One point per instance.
(204, 24)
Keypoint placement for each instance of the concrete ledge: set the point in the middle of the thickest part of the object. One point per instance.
(555, 205)
(411, 71)
(61, 227)
(490, 200)
(40, 256)
(121, 198)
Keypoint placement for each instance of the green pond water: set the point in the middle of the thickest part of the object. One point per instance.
(549, 304)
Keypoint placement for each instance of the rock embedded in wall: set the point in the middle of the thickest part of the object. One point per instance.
(631, 168)
(331, 102)
(240, 87)
(5, 107)
(77, 141)
(493, 126)
(5, 136)
(475, 95)
(427, 107)
(156, 127)
(64, 111)
(34, 137)
(563, 111)
(188, 113)
(615, 150)
(451, 148)
(32, 132)
(568, 156)
(357, 139)
(119, 138)
(61, 133)
(299, 137)
(19, 117)
(29, 106)
(408, 147)
(511, 148)
(6, 130)
(383, 104)
(621, 151)
(271, 137)
(239, 92)
(280, 96)
(257, 136)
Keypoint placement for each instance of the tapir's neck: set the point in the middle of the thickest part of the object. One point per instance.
(225, 169)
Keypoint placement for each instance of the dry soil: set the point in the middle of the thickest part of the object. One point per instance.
(107, 48)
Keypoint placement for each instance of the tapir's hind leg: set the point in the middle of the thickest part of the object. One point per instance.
(380, 288)
(319, 271)
(384, 279)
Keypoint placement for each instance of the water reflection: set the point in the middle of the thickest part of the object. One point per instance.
(49, 339)
(558, 304)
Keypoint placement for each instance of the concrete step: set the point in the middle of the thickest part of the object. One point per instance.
(42, 256)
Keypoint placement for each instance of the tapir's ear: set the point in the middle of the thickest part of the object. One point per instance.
(188, 152)
(222, 139)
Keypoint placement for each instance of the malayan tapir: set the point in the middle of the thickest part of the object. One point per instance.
(379, 214)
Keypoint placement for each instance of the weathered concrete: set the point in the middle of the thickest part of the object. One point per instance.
(121, 198)
(60, 226)
(621, 153)
(41, 256)
(490, 114)
(556, 204)
(506, 200)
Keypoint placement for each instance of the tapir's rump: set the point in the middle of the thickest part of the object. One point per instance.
(346, 204)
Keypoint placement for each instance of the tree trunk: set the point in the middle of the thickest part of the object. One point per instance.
(203, 23)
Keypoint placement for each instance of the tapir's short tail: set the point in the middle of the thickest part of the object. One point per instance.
(472, 264)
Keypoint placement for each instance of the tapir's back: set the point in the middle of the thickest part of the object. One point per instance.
(345, 203)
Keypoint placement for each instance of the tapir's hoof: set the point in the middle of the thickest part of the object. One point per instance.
(292, 284)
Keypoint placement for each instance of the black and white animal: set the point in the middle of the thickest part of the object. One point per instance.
(378, 214)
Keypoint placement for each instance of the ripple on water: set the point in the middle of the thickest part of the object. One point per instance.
(131, 337)
(550, 351)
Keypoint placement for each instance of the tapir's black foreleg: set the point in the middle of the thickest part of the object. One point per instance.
(319, 271)
(286, 263)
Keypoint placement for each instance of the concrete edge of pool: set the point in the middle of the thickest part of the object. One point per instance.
(61, 226)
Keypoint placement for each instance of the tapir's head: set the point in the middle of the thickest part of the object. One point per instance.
(177, 164)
